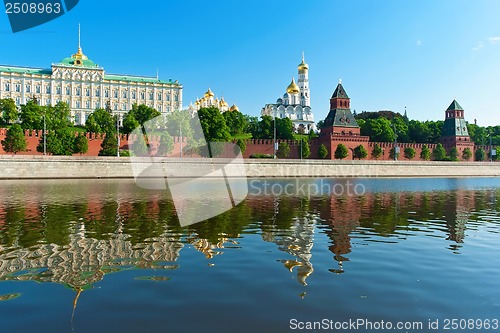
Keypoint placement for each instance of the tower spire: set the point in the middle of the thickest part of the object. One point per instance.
(303, 59)
(79, 37)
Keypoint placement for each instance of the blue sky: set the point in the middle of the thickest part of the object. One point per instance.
(389, 54)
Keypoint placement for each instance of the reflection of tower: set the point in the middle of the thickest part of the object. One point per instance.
(457, 215)
(298, 241)
(342, 215)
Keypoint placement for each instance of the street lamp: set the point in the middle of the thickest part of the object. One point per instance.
(44, 136)
(396, 148)
(118, 135)
(274, 140)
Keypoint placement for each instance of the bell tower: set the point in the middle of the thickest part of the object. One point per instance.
(340, 119)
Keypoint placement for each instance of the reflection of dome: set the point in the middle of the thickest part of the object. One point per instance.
(293, 88)
(209, 93)
(234, 108)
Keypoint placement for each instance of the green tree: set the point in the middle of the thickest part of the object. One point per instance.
(213, 125)
(109, 145)
(320, 124)
(454, 154)
(143, 113)
(31, 115)
(60, 142)
(377, 151)
(419, 132)
(305, 150)
(409, 153)
(14, 141)
(284, 129)
(401, 128)
(57, 116)
(166, 144)
(241, 145)
(283, 150)
(467, 154)
(392, 152)
(322, 151)
(480, 154)
(101, 121)
(178, 122)
(439, 153)
(235, 121)
(341, 152)
(378, 129)
(360, 152)
(435, 128)
(425, 153)
(81, 145)
(8, 110)
(129, 123)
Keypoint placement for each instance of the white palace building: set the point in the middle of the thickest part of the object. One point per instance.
(295, 103)
(85, 86)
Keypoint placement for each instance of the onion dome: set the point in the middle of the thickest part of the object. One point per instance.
(209, 93)
(293, 88)
(234, 108)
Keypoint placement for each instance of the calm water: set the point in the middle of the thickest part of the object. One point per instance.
(106, 256)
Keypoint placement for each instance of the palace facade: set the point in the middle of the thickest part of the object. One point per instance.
(85, 86)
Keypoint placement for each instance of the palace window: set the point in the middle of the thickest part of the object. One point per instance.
(78, 91)
(116, 106)
(168, 108)
(97, 105)
(159, 108)
(58, 90)
(18, 101)
(124, 94)
(134, 95)
(168, 97)
(78, 105)
(38, 89)
(106, 93)
(151, 96)
(87, 104)
(176, 98)
(159, 96)
(47, 102)
(18, 87)
(115, 93)
(7, 86)
(87, 92)
(124, 106)
(97, 93)
(143, 95)
(68, 90)
(28, 88)
(47, 89)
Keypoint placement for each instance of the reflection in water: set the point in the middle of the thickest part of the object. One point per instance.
(56, 232)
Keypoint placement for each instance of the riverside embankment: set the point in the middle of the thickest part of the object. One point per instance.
(62, 167)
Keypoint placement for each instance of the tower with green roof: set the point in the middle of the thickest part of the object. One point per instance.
(454, 133)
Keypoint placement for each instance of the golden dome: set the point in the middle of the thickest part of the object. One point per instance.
(234, 108)
(209, 93)
(293, 88)
(303, 67)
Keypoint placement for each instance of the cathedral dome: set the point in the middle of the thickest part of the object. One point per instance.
(209, 93)
(303, 67)
(234, 108)
(293, 88)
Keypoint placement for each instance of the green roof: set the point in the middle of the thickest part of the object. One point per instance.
(131, 78)
(24, 70)
(339, 92)
(71, 62)
(454, 127)
(340, 118)
(454, 106)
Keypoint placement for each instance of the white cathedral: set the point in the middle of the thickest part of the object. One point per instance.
(295, 103)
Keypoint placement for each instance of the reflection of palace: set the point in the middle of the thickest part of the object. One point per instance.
(84, 260)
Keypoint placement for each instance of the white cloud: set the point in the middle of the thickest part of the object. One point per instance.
(494, 40)
(479, 45)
